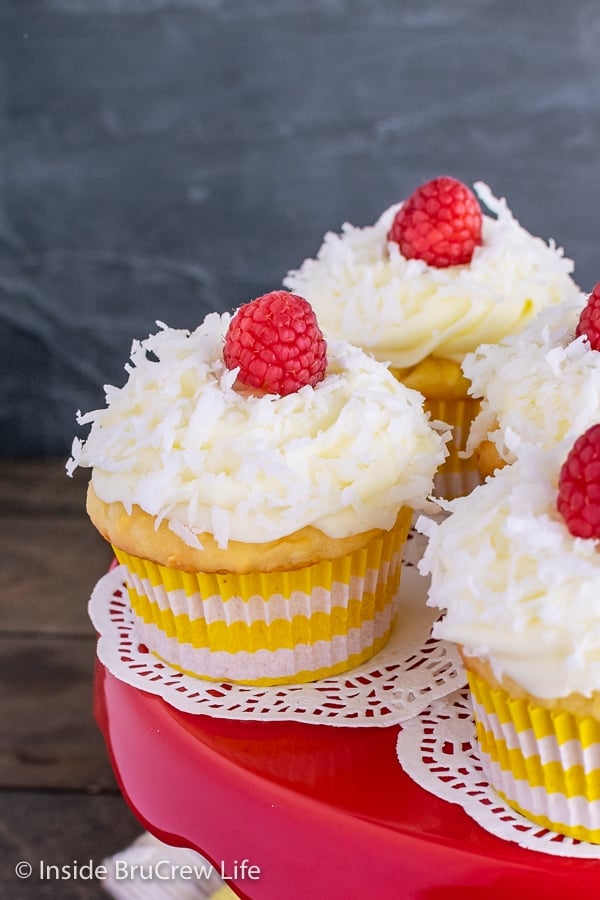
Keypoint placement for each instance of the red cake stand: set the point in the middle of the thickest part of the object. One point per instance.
(285, 809)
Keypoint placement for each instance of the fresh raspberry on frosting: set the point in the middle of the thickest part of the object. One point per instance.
(579, 486)
(589, 319)
(277, 344)
(439, 223)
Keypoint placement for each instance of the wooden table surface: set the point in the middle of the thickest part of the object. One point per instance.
(59, 801)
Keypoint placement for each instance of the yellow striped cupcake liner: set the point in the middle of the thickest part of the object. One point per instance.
(274, 627)
(544, 763)
(456, 477)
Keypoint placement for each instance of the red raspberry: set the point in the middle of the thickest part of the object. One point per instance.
(578, 499)
(440, 223)
(277, 343)
(589, 319)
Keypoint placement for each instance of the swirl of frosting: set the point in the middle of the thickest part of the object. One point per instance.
(179, 441)
(539, 387)
(363, 290)
(519, 591)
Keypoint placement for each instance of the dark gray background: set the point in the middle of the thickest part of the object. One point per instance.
(161, 159)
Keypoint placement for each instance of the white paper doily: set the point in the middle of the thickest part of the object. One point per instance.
(410, 672)
(438, 749)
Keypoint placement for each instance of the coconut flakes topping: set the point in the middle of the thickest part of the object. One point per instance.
(181, 443)
(518, 589)
(540, 387)
(363, 290)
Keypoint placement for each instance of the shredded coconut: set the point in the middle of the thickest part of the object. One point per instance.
(363, 290)
(179, 442)
(518, 589)
(539, 387)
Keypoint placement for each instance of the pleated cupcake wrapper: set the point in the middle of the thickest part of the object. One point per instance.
(544, 763)
(270, 628)
(456, 477)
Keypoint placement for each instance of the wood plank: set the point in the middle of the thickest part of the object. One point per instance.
(34, 486)
(52, 554)
(49, 738)
(52, 557)
(49, 567)
(59, 829)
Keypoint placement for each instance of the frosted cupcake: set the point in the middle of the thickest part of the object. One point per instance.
(538, 387)
(516, 568)
(426, 284)
(257, 486)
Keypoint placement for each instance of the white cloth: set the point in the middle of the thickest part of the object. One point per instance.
(151, 870)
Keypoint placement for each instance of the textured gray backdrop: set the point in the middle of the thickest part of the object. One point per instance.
(161, 159)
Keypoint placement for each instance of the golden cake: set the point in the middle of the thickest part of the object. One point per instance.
(515, 569)
(260, 533)
(422, 317)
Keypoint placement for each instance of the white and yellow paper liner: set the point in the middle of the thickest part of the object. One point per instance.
(270, 628)
(446, 399)
(456, 477)
(544, 763)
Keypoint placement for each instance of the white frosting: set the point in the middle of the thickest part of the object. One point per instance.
(363, 290)
(518, 589)
(181, 443)
(540, 387)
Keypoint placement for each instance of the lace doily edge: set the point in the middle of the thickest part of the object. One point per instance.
(541, 840)
(109, 654)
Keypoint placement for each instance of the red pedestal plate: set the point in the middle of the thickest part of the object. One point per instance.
(287, 809)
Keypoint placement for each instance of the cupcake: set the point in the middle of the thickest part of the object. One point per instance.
(541, 386)
(516, 569)
(432, 279)
(257, 485)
